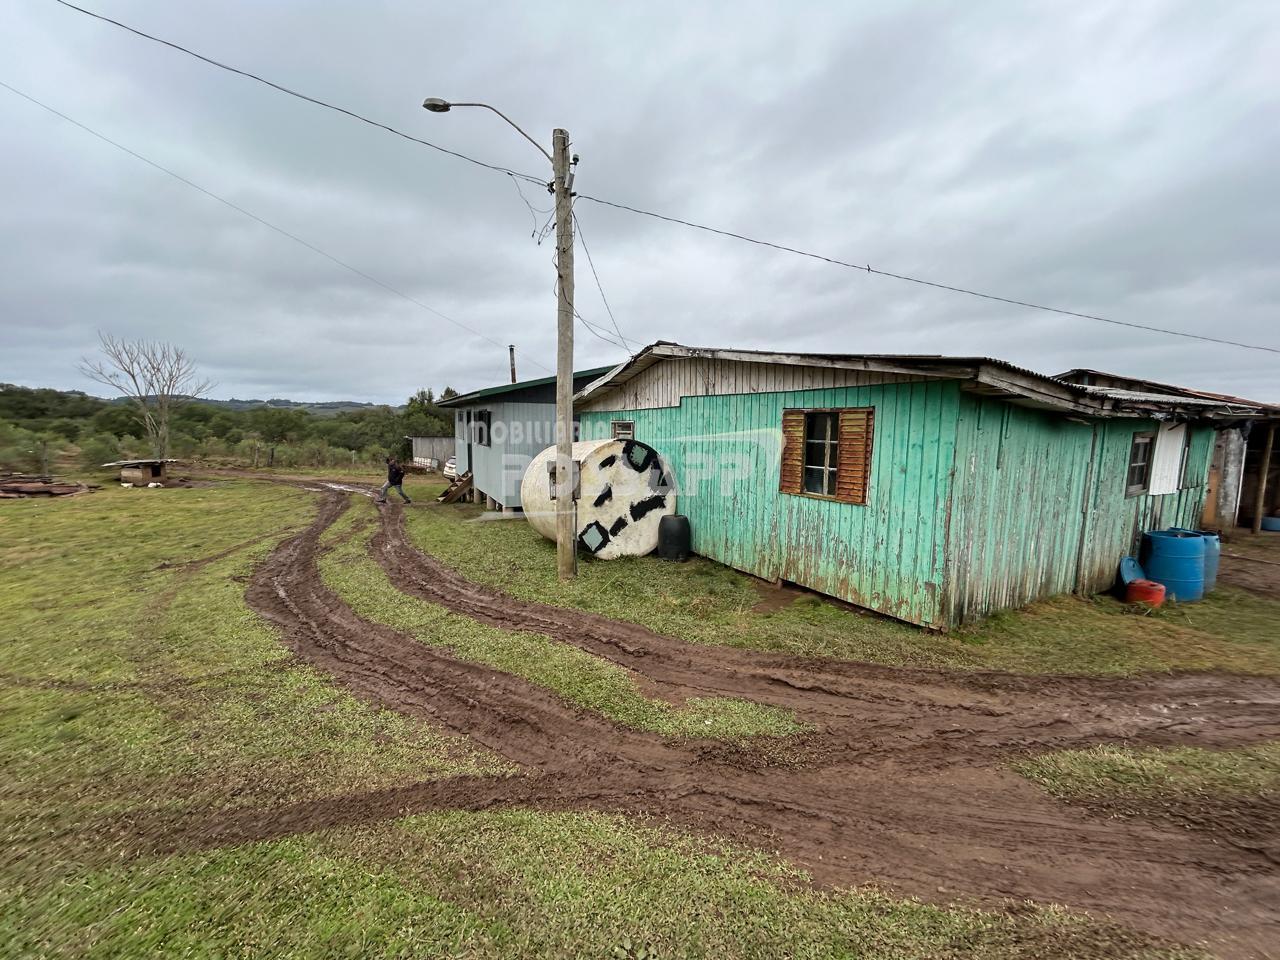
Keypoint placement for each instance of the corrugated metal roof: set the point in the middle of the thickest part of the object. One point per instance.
(511, 387)
(991, 376)
(1079, 375)
(137, 463)
(1115, 393)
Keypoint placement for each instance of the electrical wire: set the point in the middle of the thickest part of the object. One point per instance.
(302, 96)
(592, 328)
(253, 216)
(626, 344)
(534, 213)
(867, 268)
(573, 308)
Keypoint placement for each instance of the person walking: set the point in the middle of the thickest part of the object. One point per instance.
(395, 479)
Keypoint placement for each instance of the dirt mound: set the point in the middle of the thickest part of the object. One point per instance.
(898, 785)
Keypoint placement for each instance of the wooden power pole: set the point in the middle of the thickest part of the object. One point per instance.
(1264, 467)
(566, 546)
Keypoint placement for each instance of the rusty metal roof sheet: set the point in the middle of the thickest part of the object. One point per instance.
(989, 375)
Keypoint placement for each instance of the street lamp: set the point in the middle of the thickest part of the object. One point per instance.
(566, 536)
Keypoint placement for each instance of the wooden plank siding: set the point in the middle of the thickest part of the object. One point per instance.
(1039, 505)
(726, 454)
(666, 384)
(973, 504)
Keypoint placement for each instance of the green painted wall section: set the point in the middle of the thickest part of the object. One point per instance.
(974, 504)
(887, 555)
(1040, 508)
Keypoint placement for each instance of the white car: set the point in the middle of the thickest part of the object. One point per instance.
(450, 470)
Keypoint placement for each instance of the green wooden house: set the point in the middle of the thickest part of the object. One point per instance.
(933, 489)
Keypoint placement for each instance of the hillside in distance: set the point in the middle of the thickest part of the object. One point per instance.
(323, 408)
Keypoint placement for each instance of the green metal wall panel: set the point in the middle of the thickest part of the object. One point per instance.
(1040, 508)
(886, 555)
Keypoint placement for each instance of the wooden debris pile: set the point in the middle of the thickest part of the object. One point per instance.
(15, 486)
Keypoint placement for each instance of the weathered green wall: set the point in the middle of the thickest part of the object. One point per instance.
(887, 555)
(1040, 508)
(974, 504)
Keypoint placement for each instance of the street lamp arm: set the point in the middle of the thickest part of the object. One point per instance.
(513, 124)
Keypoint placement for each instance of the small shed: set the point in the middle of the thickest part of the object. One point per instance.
(499, 430)
(430, 452)
(142, 471)
(933, 489)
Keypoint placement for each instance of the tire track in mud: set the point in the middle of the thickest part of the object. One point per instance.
(902, 791)
(891, 708)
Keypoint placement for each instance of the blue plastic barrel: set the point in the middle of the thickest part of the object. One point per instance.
(1176, 559)
(1212, 554)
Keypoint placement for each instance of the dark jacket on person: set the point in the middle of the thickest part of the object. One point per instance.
(395, 473)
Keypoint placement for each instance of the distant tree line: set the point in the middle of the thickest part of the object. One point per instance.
(40, 428)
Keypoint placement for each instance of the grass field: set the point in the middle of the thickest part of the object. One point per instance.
(704, 602)
(137, 681)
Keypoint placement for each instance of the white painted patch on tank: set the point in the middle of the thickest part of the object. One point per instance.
(626, 490)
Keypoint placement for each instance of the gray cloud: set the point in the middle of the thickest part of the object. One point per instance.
(1113, 160)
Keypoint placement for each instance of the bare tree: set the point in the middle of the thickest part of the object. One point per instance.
(155, 376)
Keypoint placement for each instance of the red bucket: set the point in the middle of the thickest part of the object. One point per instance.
(1145, 591)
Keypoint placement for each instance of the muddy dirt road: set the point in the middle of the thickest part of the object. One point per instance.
(902, 783)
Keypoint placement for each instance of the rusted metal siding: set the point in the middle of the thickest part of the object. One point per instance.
(1039, 505)
(886, 555)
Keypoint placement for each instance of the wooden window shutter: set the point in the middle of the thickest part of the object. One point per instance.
(792, 451)
(856, 428)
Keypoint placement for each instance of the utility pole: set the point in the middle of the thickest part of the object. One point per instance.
(511, 351)
(566, 546)
(562, 187)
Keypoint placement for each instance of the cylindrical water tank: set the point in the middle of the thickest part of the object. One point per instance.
(625, 489)
(1176, 560)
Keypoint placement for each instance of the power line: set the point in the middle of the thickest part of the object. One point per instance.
(301, 96)
(626, 344)
(866, 268)
(253, 216)
(592, 328)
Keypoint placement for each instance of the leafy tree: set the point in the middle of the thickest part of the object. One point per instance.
(98, 449)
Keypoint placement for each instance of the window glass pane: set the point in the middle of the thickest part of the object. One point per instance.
(820, 440)
(815, 480)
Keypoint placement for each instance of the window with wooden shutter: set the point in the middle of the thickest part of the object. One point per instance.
(792, 450)
(827, 453)
(855, 455)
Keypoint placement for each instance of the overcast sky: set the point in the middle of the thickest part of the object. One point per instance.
(1113, 158)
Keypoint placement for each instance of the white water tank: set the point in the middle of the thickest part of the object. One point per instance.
(625, 487)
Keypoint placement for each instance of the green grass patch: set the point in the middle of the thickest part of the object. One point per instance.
(136, 679)
(516, 885)
(1127, 776)
(579, 677)
(704, 602)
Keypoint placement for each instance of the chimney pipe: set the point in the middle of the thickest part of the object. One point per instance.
(511, 348)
